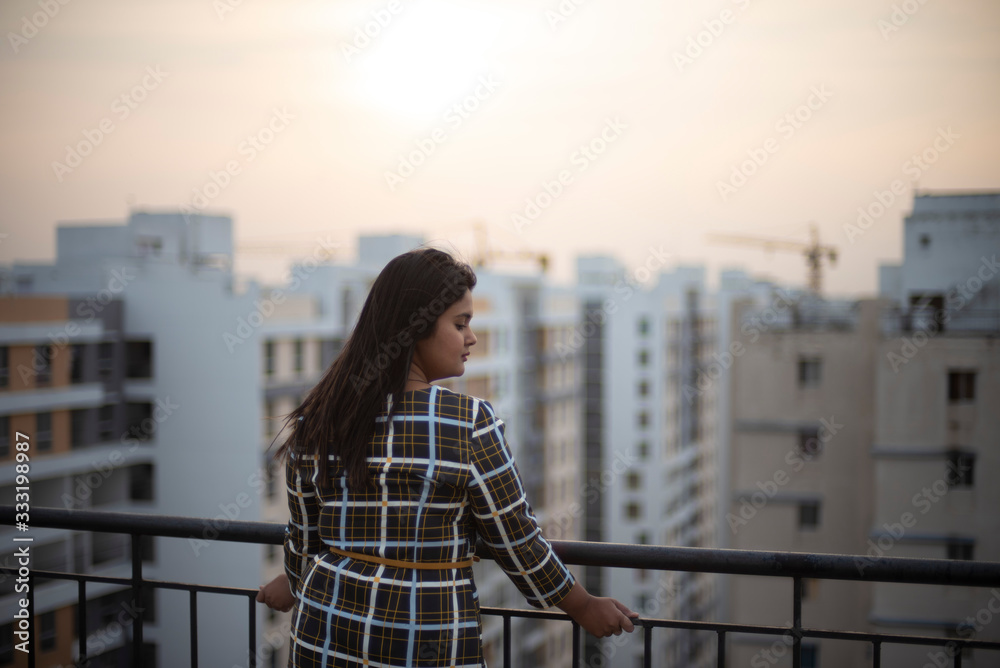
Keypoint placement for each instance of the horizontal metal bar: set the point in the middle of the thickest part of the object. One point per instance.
(653, 557)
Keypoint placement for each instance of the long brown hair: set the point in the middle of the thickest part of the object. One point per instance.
(337, 417)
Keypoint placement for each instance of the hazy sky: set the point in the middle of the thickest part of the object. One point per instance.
(310, 114)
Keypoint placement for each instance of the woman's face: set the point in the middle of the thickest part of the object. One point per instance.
(444, 352)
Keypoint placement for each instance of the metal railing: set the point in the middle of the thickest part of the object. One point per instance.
(797, 566)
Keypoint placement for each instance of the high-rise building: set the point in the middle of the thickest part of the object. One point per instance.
(650, 448)
(862, 427)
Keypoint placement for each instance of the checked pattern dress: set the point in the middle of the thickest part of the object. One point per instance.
(442, 473)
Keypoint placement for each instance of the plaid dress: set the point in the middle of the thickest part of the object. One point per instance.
(442, 474)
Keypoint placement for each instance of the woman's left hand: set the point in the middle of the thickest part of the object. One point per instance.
(276, 594)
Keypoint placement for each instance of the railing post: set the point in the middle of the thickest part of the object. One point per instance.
(876, 654)
(721, 648)
(81, 619)
(577, 641)
(253, 632)
(194, 629)
(506, 640)
(797, 622)
(647, 646)
(137, 601)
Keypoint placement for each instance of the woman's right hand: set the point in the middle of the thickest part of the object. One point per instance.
(600, 616)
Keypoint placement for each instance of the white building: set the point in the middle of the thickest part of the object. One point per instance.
(172, 278)
(650, 445)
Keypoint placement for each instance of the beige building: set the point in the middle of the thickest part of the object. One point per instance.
(870, 429)
(801, 474)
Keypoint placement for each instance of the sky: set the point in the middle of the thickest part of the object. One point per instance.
(634, 128)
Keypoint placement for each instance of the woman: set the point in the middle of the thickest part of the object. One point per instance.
(390, 479)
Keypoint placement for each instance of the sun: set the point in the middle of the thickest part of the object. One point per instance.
(427, 56)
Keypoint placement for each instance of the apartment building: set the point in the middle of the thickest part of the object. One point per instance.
(149, 407)
(650, 448)
(861, 428)
(934, 447)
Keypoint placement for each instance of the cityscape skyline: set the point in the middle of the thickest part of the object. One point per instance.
(381, 117)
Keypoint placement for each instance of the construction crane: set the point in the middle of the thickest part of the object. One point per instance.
(814, 252)
(485, 254)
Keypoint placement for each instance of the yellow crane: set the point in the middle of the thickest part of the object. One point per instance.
(814, 251)
(485, 254)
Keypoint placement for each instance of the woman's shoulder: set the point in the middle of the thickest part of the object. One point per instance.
(446, 400)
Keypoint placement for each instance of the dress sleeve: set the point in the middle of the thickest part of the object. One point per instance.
(302, 541)
(504, 519)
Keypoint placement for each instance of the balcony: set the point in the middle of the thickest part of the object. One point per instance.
(798, 567)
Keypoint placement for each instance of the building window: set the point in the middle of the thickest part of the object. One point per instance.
(809, 443)
(43, 364)
(299, 355)
(76, 363)
(634, 480)
(139, 421)
(809, 515)
(643, 419)
(4, 435)
(4, 367)
(141, 482)
(633, 511)
(47, 634)
(810, 369)
(43, 431)
(643, 326)
(269, 358)
(272, 482)
(139, 359)
(643, 358)
(961, 386)
(810, 656)
(643, 388)
(78, 428)
(105, 359)
(106, 422)
(960, 468)
(643, 450)
(961, 550)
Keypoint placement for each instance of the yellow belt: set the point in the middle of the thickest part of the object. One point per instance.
(404, 564)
